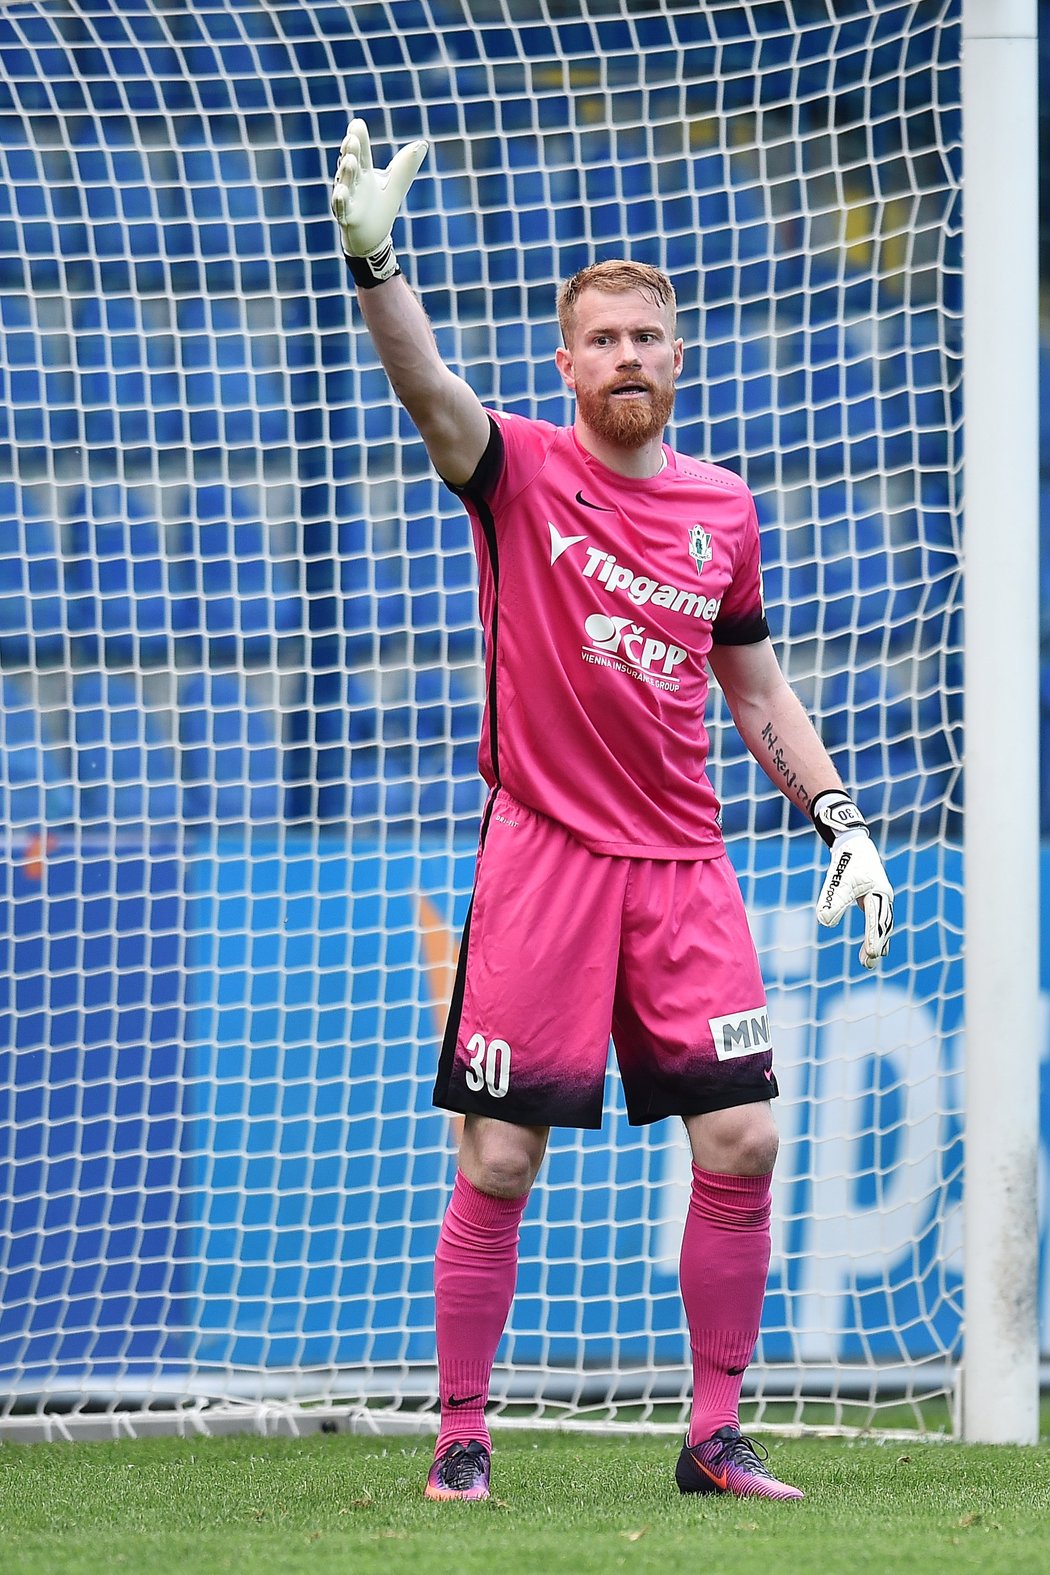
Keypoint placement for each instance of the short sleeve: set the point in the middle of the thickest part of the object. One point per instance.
(514, 455)
(486, 477)
(742, 618)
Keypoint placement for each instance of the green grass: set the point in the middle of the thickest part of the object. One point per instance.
(561, 1503)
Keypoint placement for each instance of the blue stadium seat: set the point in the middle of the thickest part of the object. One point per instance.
(896, 749)
(362, 798)
(790, 590)
(468, 788)
(34, 781)
(427, 739)
(32, 598)
(738, 386)
(124, 765)
(119, 579)
(344, 711)
(750, 804)
(856, 565)
(231, 759)
(16, 311)
(248, 598)
(399, 792)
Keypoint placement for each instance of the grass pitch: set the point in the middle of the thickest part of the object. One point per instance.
(328, 1504)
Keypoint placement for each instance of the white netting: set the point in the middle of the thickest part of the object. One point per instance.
(241, 676)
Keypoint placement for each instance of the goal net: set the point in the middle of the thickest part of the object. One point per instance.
(241, 675)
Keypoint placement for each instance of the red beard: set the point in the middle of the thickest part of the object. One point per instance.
(628, 423)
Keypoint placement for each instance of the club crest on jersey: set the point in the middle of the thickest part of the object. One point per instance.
(700, 547)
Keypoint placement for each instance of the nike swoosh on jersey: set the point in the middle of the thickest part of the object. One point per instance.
(457, 1400)
(599, 506)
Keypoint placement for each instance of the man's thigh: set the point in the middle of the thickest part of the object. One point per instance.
(527, 1038)
(690, 1023)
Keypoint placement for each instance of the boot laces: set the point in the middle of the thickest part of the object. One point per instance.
(734, 1449)
(462, 1465)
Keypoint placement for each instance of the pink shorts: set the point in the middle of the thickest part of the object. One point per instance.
(563, 947)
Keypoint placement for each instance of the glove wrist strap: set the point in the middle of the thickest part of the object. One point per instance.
(835, 813)
(374, 269)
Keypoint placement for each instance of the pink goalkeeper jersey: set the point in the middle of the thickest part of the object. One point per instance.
(600, 598)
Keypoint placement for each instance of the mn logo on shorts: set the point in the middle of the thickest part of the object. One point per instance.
(741, 1033)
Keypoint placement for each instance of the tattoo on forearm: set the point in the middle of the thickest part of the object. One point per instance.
(790, 778)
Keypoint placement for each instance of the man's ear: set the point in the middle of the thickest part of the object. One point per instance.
(563, 361)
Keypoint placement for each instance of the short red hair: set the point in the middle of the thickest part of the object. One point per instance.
(615, 277)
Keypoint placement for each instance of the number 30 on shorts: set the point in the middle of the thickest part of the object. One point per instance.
(489, 1066)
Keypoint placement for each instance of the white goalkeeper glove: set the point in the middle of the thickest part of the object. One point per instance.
(365, 203)
(856, 873)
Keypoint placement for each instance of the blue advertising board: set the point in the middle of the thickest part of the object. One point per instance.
(219, 1146)
(90, 1108)
(330, 1085)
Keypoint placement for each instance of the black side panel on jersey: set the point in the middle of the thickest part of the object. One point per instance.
(483, 482)
(740, 631)
(488, 526)
(477, 492)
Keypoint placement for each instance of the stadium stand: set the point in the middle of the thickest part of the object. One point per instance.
(33, 614)
(231, 761)
(174, 340)
(34, 774)
(123, 761)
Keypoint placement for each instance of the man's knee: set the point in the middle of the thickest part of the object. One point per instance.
(741, 1141)
(499, 1158)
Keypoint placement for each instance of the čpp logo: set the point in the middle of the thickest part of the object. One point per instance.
(629, 641)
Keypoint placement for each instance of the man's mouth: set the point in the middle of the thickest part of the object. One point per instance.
(629, 390)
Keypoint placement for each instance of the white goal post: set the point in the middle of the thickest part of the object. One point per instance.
(241, 691)
(1000, 104)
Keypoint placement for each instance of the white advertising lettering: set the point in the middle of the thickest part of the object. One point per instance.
(642, 588)
(629, 647)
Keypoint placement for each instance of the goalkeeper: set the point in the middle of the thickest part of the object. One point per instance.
(614, 574)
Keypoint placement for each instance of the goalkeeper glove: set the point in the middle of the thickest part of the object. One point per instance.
(856, 873)
(365, 203)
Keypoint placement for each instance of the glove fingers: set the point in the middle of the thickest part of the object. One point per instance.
(857, 875)
(348, 169)
(343, 187)
(357, 132)
(836, 894)
(878, 926)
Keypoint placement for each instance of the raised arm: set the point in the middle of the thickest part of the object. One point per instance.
(770, 719)
(450, 417)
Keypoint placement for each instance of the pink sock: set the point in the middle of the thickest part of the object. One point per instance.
(724, 1264)
(475, 1268)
